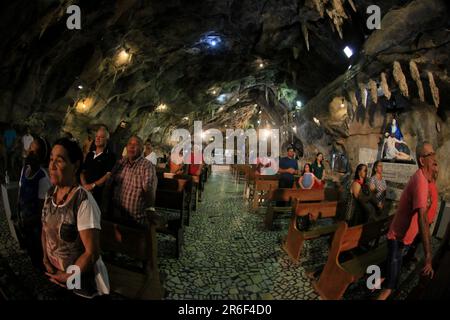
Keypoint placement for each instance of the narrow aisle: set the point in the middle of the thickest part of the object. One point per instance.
(228, 255)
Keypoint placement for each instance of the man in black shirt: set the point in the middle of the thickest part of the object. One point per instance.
(98, 165)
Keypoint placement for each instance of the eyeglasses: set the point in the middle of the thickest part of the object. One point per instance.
(428, 154)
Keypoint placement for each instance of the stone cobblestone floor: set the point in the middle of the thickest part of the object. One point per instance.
(227, 255)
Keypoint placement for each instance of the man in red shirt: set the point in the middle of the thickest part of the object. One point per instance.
(416, 211)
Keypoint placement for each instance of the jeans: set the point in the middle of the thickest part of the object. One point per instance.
(396, 252)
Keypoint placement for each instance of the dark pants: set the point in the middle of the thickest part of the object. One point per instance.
(396, 252)
(283, 183)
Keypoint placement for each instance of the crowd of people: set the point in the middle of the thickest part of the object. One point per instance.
(64, 190)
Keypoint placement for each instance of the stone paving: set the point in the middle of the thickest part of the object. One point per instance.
(227, 255)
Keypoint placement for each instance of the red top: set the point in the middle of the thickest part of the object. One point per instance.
(194, 169)
(418, 194)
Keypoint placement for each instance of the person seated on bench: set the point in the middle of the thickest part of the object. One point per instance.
(378, 186)
(416, 211)
(176, 166)
(33, 186)
(133, 182)
(359, 206)
(307, 180)
(288, 166)
(71, 224)
(318, 169)
(392, 153)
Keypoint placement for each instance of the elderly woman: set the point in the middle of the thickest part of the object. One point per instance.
(71, 224)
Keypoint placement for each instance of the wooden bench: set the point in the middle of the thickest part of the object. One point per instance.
(288, 195)
(337, 275)
(293, 244)
(261, 187)
(138, 243)
(171, 195)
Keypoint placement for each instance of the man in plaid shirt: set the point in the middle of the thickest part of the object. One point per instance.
(134, 181)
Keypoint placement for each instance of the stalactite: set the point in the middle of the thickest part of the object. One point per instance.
(400, 79)
(320, 6)
(305, 35)
(353, 100)
(385, 86)
(434, 89)
(415, 74)
(352, 5)
(373, 91)
(363, 93)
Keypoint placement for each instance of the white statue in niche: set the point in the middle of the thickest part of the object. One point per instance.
(392, 153)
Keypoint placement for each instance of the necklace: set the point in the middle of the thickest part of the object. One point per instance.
(64, 197)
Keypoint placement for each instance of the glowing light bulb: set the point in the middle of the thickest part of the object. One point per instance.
(348, 52)
(80, 87)
(261, 65)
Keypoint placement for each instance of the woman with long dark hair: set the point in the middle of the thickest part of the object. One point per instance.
(360, 209)
(307, 180)
(318, 169)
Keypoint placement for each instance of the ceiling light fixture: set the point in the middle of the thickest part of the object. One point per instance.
(348, 52)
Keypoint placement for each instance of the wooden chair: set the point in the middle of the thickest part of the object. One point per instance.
(295, 237)
(286, 194)
(138, 243)
(336, 275)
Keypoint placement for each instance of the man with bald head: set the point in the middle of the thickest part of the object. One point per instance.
(416, 211)
(134, 183)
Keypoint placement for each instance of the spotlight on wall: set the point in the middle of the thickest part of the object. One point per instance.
(186, 118)
(80, 87)
(294, 128)
(316, 121)
(343, 103)
(348, 52)
(161, 107)
(123, 57)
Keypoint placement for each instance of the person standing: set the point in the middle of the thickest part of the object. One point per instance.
(33, 186)
(98, 165)
(417, 209)
(378, 186)
(27, 139)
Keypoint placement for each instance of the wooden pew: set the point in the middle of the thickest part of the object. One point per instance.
(285, 194)
(261, 187)
(139, 243)
(315, 210)
(337, 276)
(171, 195)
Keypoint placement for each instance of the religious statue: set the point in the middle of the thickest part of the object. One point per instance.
(391, 149)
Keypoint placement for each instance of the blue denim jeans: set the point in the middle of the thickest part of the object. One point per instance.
(396, 251)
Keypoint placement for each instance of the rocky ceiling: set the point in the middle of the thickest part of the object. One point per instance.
(157, 65)
(259, 46)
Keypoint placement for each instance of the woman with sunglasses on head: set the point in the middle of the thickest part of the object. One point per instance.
(71, 224)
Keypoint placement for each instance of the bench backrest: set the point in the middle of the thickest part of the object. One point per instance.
(323, 209)
(169, 199)
(172, 184)
(287, 194)
(347, 238)
(135, 242)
